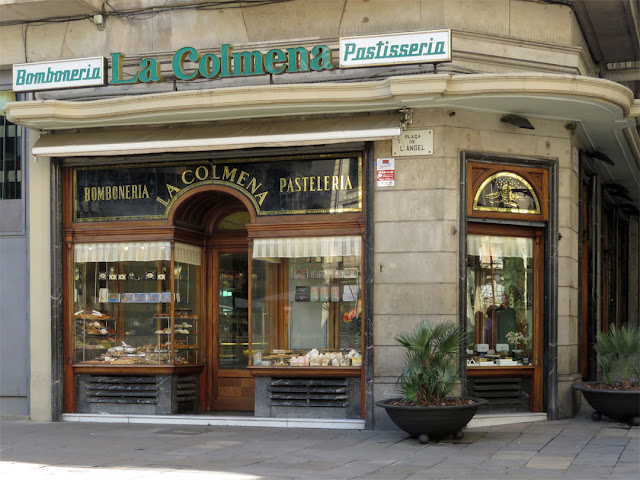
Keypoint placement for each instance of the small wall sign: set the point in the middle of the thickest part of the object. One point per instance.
(386, 172)
(413, 142)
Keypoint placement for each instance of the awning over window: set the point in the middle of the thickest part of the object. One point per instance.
(487, 247)
(122, 252)
(245, 135)
(136, 252)
(188, 254)
(269, 248)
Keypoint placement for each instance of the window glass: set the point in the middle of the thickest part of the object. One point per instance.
(10, 160)
(233, 307)
(506, 192)
(500, 300)
(235, 221)
(123, 304)
(307, 302)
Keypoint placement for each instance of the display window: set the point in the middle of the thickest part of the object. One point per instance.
(307, 302)
(507, 206)
(500, 276)
(136, 303)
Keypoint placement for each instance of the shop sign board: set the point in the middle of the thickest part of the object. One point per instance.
(324, 183)
(401, 48)
(74, 73)
(413, 142)
(386, 172)
(187, 64)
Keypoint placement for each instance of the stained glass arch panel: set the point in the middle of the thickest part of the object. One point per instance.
(506, 192)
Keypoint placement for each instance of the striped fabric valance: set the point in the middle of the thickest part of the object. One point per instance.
(136, 252)
(268, 248)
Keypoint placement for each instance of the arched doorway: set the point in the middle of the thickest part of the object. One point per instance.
(215, 217)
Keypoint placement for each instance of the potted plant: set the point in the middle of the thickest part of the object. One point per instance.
(618, 395)
(426, 410)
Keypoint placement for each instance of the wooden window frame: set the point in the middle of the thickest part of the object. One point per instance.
(538, 178)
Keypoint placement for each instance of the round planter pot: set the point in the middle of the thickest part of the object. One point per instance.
(622, 405)
(435, 422)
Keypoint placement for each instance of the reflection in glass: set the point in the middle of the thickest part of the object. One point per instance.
(123, 301)
(307, 302)
(233, 308)
(499, 300)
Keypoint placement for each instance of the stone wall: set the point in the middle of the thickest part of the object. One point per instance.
(416, 239)
(489, 35)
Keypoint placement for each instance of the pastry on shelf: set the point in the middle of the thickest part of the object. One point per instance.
(90, 314)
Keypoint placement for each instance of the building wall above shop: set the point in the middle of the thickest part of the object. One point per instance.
(487, 28)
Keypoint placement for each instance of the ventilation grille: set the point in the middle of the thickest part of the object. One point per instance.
(135, 390)
(187, 392)
(508, 394)
(309, 392)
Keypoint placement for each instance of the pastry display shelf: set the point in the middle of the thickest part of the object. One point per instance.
(138, 369)
(293, 371)
(95, 334)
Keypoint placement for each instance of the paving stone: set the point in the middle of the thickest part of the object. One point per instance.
(609, 441)
(556, 463)
(544, 427)
(613, 432)
(583, 472)
(626, 471)
(596, 460)
(513, 455)
(392, 472)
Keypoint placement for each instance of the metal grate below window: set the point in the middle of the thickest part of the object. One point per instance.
(503, 394)
(135, 390)
(309, 392)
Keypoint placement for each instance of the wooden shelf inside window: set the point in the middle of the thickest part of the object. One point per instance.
(260, 371)
(137, 369)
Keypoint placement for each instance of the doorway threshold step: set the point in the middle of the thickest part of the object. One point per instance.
(222, 421)
(494, 419)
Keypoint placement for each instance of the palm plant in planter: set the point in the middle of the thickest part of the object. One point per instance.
(426, 409)
(618, 396)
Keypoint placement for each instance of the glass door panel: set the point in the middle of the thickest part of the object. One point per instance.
(500, 319)
(233, 311)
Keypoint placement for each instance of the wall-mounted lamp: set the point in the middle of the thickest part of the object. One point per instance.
(602, 157)
(571, 127)
(517, 121)
(98, 20)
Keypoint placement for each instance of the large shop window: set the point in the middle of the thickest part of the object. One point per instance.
(307, 302)
(500, 300)
(132, 308)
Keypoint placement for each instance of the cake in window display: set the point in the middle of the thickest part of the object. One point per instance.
(312, 358)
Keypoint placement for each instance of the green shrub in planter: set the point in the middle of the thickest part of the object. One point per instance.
(619, 355)
(430, 372)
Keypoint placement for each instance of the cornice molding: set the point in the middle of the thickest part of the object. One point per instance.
(264, 101)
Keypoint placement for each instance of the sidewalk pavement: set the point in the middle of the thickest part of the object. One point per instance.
(577, 449)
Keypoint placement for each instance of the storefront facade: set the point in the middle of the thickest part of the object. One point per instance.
(253, 232)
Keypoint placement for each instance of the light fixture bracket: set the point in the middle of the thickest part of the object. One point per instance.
(407, 117)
